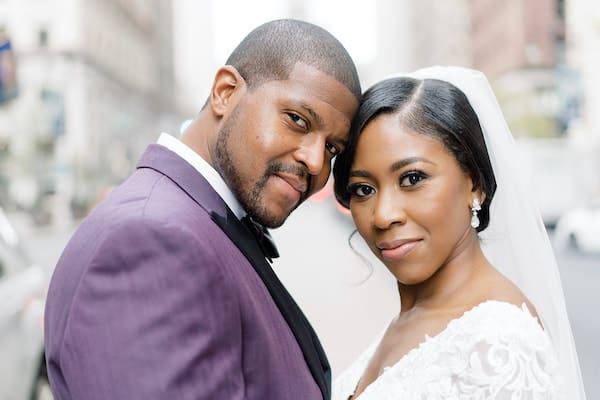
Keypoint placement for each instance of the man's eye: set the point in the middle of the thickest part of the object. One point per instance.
(412, 178)
(298, 120)
(332, 149)
(361, 190)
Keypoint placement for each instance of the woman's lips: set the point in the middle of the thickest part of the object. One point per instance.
(398, 248)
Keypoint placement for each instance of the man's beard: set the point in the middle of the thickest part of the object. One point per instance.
(251, 200)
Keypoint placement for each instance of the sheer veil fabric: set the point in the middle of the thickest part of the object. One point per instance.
(516, 242)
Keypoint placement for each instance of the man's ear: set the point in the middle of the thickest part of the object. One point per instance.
(228, 85)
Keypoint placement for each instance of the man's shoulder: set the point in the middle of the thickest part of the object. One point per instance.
(148, 193)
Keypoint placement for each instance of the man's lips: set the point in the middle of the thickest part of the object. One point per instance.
(397, 249)
(294, 181)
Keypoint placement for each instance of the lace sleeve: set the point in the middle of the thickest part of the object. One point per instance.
(509, 368)
(501, 353)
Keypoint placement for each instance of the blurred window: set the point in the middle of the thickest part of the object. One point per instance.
(43, 38)
(560, 9)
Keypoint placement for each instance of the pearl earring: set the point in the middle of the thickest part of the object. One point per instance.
(474, 209)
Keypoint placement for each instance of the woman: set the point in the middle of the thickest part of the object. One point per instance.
(430, 163)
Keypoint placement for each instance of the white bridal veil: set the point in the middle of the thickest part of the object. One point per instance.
(516, 242)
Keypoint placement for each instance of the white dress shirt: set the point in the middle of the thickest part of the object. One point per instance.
(205, 169)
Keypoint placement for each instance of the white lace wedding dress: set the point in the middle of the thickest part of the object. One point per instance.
(495, 351)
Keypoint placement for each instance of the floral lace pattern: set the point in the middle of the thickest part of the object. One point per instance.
(495, 351)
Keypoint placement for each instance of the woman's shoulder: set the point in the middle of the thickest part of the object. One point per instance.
(502, 329)
(504, 343)
(499, 319)
(495, 290)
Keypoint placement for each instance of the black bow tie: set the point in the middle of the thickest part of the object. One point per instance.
(263, 237)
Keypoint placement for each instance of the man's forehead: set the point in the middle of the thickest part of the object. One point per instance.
(309, 82)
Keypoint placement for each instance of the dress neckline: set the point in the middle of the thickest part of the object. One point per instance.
(428, 340)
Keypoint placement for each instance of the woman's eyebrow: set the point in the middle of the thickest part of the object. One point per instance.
(359, 173)
(393, 168)
(407, 161)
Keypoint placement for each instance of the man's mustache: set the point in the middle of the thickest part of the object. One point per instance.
(299, 171)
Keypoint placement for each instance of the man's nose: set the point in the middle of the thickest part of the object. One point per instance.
(311, 153)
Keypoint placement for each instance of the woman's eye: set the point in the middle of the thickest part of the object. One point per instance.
(412, 178)
(361, 190)
(298, 120)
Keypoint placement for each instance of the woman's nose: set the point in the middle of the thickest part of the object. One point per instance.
(389, 209)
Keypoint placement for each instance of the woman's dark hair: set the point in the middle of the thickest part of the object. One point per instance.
(430, 107)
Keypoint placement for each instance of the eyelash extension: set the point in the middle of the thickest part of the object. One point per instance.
(414, 172)
(351, 189)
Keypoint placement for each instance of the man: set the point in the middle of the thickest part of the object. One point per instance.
(163, 292)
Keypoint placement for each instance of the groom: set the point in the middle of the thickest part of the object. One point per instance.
(164, 291)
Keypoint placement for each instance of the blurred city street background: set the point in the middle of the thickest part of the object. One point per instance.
(85, 85)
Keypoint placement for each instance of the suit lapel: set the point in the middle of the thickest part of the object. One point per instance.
(189, 180)
(312, 350)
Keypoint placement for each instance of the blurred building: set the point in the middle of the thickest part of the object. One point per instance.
(539, 56)
(518, 45)
(583, 55)
(440, 33)
(195, 64)
(96, 83)
(417, 34)
(386, 37)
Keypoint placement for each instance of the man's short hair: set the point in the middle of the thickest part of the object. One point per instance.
(271, 51)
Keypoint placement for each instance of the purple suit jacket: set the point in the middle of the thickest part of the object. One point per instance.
(163, 294)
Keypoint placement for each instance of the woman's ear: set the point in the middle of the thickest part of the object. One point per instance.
(227, 85)
(478, 194)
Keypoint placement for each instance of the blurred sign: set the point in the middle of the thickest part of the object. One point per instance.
(8, 76)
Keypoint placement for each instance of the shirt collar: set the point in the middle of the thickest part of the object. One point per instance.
(205, 169)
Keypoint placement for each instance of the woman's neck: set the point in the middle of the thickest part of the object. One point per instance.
(446, 288)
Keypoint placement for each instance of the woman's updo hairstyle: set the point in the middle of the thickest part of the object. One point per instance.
(431, 107)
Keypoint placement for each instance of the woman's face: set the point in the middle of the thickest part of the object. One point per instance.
(409, 199)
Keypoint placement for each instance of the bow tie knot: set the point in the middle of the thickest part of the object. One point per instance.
(262, 236)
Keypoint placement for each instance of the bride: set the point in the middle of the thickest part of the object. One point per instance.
(429, 165)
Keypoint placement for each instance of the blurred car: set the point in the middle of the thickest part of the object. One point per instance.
(579, 228)
(22, 290)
